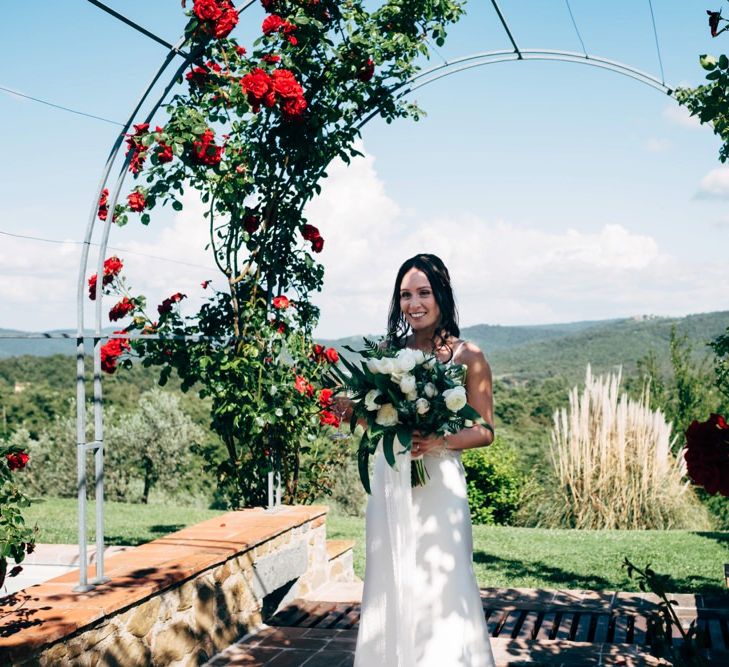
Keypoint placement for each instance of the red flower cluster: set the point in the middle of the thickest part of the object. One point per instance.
(111, 351)
(303, 386)
(258, 86)
(121, 309)
(104, 204)
(281, 84)
(17, 460)
(164, 153)
(166, 305)
(324, 355)
(137, 148)
(281, 302)
(274, 23)
(218, 17)
(271, 58)
(311, 233)
(366, 71)
(112, 266)
(325, 397)
(707, 454)
(197, 77)
(327, 418)
(137, 201)
(206, 151)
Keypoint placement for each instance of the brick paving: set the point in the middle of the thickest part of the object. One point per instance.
(527, 627)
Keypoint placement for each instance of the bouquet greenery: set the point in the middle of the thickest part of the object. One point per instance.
(397, 392)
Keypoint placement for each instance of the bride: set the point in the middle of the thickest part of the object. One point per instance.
(421, 605)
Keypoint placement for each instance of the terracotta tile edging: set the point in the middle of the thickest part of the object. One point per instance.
(40, 616)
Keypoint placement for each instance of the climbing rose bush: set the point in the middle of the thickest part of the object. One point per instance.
(252, 128)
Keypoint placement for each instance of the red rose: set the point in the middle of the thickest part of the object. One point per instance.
(366, 71)
(197, 77)
(164, 153)
(272, 23)
(271, 58)
(227, 21)
(204, 284)
(714, 18)
(207, 10)
(111, 351)
(258, 86)
(166, 305)
(327, 418)
(136, 200)
(251, 223)
(205, 150)
(325, 397)
(121, 309)
(281, 302)
(104, 204)
(285, 84)
(317, 244)
(141, 128)
(332, 355)
(293, 107)
(303, 387)
(309, 232)
(240, 50)
(112, 266)
(17, 460)
(707, 454)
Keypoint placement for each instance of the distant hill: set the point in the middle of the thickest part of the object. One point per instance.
(523, 352)
(39, 346)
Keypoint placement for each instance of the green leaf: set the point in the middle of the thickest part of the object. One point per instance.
(177, 205)
(405, 436)
(363, 460)
(723, 61)
(388, 440)
(714, 75)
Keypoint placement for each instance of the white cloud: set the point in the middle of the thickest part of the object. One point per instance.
(679, 115)
(715, 184)
(502, 272)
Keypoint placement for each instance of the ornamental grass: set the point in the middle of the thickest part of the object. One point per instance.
(613, 465)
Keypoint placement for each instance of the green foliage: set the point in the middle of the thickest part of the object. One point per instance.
(494, 483)
(154, 446)
(710, 102)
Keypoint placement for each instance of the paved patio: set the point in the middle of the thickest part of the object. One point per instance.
(527, 627)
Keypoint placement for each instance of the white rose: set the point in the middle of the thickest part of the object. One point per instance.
(430, 363)
(422, 406)
(405, 360)
(412, 396)
(430, 390)
(386, 415)
(370, 397)
(278, 412)
(373, 365)
(419, 357)
(386, 366)
(407, 384)
(455, 398)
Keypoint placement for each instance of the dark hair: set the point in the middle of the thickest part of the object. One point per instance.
(440, 282)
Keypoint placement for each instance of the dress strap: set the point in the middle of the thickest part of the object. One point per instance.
(458, 348)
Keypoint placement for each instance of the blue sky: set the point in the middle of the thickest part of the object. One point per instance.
(554, 191)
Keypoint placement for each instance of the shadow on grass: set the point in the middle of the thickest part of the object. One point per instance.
(156, 531)
(555, 577)
(721, 537)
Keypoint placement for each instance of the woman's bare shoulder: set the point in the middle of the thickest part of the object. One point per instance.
(468, 353)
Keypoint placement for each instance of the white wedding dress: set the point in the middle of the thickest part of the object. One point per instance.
(421, 605)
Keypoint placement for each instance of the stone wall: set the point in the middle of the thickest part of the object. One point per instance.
(178, 600)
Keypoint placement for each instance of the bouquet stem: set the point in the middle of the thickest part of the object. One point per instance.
(418, 473)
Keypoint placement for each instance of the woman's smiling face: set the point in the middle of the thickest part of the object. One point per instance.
(417, 301)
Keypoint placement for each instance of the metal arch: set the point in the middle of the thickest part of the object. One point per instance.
(480, 59)
(97, 444)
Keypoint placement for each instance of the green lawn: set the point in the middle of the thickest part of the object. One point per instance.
(503, 556)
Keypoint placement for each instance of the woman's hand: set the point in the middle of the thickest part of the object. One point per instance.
(426, 444)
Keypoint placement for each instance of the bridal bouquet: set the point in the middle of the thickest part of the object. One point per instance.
(397, 392)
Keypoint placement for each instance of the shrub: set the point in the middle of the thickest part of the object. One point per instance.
(494, 483)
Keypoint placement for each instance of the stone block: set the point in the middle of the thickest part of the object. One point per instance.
(272, 572)
(173, 643)
(142, 618)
